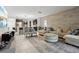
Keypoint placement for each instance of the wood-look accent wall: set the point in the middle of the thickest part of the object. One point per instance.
(65, 19)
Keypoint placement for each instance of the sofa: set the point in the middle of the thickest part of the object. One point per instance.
(63, 31)
(72, 38)
(2, 30)
(5, 38)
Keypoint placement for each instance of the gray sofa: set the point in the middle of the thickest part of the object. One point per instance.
(72, 39)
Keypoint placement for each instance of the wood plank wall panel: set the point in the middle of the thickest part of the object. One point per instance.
(65, 19)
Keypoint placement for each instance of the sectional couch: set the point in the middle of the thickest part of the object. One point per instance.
(72, 38)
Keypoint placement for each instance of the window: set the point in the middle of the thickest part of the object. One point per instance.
(45, 23)
(3, 23)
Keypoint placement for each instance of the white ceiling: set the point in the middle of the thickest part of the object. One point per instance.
(34, 11)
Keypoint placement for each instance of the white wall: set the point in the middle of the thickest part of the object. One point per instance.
(11, 23)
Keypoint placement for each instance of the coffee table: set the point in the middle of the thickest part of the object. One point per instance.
(50, 37)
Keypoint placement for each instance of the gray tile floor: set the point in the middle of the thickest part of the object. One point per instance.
(21, 44)
(57, 47)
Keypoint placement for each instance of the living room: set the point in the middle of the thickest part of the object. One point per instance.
(39, 29)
